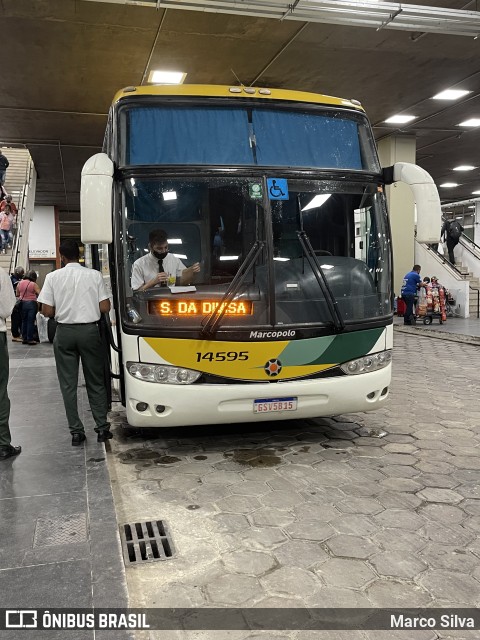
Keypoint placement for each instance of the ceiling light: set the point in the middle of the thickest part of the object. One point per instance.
(326, 266)
(228, 257)
(398, 119)
(451, 94)
(475, 193)
(473, 122)
(169, 195)
(449, 184)
(167, 77)
(317, 201)
(278, 259)
(181, 256)
(175, 241)
(464, 167)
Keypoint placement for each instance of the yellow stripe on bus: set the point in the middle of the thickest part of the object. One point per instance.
(220, 91)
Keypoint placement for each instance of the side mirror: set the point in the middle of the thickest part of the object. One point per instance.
(425, 193)
(96, 200)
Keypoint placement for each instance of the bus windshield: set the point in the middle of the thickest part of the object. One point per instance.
(227, 224)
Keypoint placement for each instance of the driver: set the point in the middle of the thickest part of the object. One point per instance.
(154, 268)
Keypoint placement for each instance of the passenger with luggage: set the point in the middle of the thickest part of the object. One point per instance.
(450, 233)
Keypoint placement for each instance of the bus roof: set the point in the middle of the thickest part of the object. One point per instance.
(225, 91)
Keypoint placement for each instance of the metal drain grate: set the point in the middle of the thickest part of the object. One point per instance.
(60, 530)
(146, 542)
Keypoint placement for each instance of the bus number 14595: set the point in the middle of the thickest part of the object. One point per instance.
(221, 356)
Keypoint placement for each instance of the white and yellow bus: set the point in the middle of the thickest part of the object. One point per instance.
(279, 195)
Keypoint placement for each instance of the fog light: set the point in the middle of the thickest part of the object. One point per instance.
(142, 406)
(160, 408)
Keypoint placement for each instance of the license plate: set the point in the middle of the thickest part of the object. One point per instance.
(267, 405)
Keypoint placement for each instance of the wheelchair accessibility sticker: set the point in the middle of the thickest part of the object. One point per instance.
(277, 188)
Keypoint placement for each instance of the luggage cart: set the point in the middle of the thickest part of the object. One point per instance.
(436, 305)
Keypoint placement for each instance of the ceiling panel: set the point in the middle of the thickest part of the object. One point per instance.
(67, 58)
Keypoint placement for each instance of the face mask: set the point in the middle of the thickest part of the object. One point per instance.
(159, 256)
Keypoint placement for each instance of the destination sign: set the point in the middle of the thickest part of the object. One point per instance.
(199, 307)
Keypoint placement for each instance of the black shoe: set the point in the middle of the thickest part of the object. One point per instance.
(78, 438)
(9, 451)
(104, 435)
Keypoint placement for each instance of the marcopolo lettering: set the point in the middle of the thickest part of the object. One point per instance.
(290, 333)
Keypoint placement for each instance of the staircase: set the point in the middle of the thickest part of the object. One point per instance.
(20, 184)
(5, 259)
(474, 283)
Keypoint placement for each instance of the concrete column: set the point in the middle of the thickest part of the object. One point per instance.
(401, 206)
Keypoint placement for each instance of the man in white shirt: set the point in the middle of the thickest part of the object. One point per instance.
(7, 301)
(154, 269)
(75, 297)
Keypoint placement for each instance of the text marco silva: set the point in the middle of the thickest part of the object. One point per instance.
(445, 621)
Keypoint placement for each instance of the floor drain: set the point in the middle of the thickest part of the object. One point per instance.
(60, 530)
(146, 542)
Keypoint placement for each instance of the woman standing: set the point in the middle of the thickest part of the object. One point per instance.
(27, 292)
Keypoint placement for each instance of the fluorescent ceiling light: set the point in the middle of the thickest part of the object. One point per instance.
(472, 206)
(400, 119)
(326, 266)
(228, 257)
(448, 185)
(169, 195)
(317, 201)
(473, 122)
(174, 241)
(451, 94)
(180, 255)
(464, 167)
(475, 193)
(167, 77)
(282, 259)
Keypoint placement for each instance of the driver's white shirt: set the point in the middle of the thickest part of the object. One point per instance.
(75, 292)
(146, 268)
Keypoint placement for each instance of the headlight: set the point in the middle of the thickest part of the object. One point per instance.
(372, 362)
(162, 373)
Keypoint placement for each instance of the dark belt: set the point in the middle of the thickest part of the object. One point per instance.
(76, 324)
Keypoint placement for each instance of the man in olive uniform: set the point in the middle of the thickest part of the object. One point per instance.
(7, 300)
(76, 296)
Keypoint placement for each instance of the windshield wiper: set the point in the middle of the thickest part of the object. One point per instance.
(330, 299)
(212, 323)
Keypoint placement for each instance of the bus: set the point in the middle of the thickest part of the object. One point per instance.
(279, 197)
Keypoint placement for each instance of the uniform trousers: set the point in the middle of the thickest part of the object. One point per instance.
(5, 436)
(74, 342)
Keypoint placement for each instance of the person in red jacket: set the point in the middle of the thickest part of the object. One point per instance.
(9, 206)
